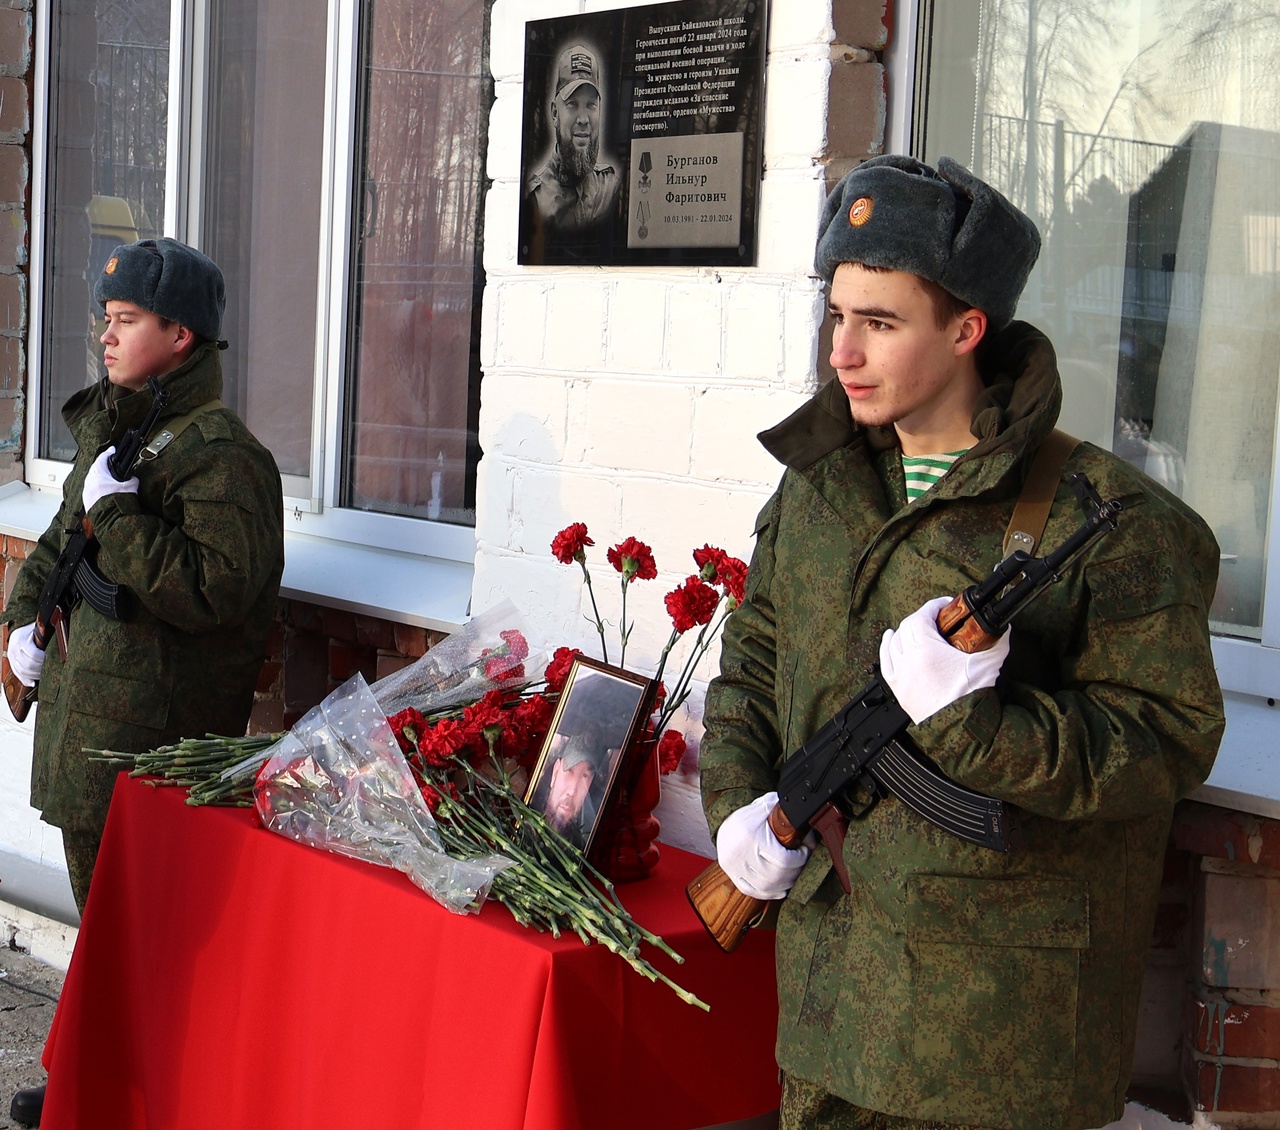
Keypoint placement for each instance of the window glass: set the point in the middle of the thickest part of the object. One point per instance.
(108, 110)
(1149, 157)
(410, 412)
(262, 210)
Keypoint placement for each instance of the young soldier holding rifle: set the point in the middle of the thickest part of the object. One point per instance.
(165, 616)
(959, 981)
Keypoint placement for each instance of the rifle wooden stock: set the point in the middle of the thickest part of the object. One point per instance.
(18, 695)
(725, 911)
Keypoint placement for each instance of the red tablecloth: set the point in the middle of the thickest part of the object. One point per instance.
(227, 978)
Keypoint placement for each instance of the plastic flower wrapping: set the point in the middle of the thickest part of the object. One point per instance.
(339, 782)
(491, 652)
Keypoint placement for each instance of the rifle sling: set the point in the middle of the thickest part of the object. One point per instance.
(1031, 513)
(174, 428)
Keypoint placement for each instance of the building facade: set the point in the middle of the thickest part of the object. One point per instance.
(439, 410)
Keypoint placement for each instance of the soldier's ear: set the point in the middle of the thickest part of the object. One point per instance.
(184, 339)
(970, 330)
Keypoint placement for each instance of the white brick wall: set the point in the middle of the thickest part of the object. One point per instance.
(629, 398)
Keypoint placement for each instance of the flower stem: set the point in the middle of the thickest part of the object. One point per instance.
(624, 629)
(604, 647)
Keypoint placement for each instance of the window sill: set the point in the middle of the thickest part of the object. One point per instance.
(1245, 775)
(407, 588)
(428, 592)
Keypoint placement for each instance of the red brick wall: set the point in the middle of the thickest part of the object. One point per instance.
(1231, 1045)
(315, 649)
(1209, 1033)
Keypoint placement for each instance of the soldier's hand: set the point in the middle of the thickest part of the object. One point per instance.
(25, 659)
(752, 856)
(99, 482)
(925, 672)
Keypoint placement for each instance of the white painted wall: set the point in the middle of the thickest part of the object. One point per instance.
(629, 398)
(33, 870)
(21, 830)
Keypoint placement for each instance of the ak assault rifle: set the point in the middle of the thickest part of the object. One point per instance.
(865, 746)
(75, 575)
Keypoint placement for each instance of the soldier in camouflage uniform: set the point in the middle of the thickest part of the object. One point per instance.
(196, 537)
(956, 985)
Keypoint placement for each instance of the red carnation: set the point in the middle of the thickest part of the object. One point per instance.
(708, 560)
(692, 603)
(434, 796)
(483, 721)
(671, 747)
(503, 669)
(633, 559)
(570, 544)
(517, 645)
(408, 726)
(558, 669)
(732, 574)
(530, 719)
(716, 565)
(439, 744)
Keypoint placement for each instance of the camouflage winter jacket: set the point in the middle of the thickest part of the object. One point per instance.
(957, 983)
(201, 547)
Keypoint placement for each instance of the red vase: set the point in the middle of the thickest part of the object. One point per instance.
(625, 847)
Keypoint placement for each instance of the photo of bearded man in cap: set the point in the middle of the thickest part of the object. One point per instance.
(937, 982)
(574, 190)
(567, 792)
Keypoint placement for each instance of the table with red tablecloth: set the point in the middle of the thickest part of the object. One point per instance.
(227, 977)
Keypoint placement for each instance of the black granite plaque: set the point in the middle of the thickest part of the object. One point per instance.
(642, 135)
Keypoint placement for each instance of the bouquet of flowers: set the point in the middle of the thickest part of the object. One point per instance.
(491, 652)
(425, 771)
(435, 790)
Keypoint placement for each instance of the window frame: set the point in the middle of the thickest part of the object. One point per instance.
(311, 502)
(1244, 666)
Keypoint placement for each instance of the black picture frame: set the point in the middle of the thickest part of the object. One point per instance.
(600, 715)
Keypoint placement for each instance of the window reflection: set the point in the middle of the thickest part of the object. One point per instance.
(412, 395)
(1150, 159)
(106, 174)
(262, 211)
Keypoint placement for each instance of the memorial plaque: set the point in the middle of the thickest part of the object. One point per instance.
(642, 137)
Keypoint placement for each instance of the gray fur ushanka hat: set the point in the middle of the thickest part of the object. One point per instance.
(168, 278)
(942, 224)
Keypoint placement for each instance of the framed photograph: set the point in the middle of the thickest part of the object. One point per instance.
(600, 714)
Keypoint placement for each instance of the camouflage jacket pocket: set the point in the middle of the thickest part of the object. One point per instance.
(996, 973)
(110, 695)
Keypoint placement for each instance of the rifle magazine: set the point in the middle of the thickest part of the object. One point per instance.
(966, 814)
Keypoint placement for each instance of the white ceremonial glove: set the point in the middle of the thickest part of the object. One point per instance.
(752, 856)
(925, 672)
(25, 659)
(99, 482)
